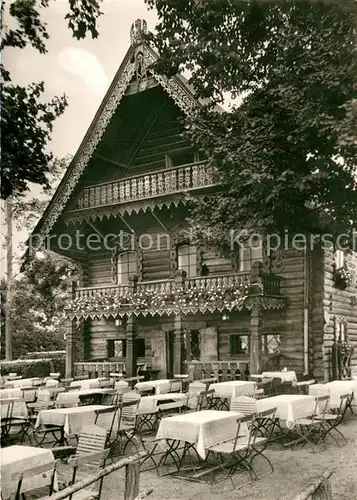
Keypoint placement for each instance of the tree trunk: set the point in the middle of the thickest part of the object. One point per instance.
(9, 257)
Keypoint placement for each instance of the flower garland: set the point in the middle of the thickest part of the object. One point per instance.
(342, 278)
(151, 301)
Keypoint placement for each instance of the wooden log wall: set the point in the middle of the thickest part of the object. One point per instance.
(316, 314)
(290, 323)
(99, 269)
(339, 304)
(216, 263)
(155, 254)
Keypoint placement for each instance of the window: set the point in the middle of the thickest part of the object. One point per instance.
(176, 158)
(187, 259)
(192, 342)
(271, 344)
(127, 266)
(116, 348)
(341, 330)
(239, 344)
(250, 254)
(339, 259)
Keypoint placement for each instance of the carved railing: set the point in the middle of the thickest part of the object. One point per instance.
(159, 183)
(97, 369)
(93, 292)
(221, 370)
(270, 286)
(236, 280)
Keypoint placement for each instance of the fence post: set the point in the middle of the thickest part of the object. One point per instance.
(323, 492)
(132, 474)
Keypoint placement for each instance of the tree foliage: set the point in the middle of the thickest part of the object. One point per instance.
(26, 120)
(287, 150)
(38, 300)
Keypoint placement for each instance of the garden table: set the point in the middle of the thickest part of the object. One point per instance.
(15, 393)
(91, 383)
(162, 401)
(289, 407)
(288, 376)
(233, 388)
(161, 386)
(22, 382)
(201, 429)
(335, 389)
(16, 459)
(71, 419)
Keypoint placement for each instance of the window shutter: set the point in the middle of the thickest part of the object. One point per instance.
(110, 348)
(231, 345)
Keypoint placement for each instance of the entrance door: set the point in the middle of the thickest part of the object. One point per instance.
(170, 354)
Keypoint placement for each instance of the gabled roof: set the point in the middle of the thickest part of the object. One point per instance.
(139, 53)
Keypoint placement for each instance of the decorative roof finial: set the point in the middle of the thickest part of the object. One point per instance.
(137, 30)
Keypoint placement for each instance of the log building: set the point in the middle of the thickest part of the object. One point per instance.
(148, 293)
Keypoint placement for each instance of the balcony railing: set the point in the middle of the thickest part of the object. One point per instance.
(270, 286)
(138, 187)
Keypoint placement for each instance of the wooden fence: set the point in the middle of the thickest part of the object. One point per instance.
(320, 489)
(132, 474)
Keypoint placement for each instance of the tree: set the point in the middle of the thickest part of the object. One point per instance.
(287, 151)
(24, 213)
(27, 121)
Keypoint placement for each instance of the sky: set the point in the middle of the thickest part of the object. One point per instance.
(83, 70)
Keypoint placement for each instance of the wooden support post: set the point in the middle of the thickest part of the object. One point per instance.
(132, 475)
(178, 347)
(70, 335)
(131, 350)
(255, 339)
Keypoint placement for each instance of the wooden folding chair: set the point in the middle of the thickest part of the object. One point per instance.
(92, 439)
(45, 474)
(93, 461)
(243, 404)
(332, 421)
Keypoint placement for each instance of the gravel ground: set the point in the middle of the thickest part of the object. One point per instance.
(293, 471)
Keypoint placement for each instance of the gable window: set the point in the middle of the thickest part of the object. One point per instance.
(127, 265)
(187, 259)
(250, 254)
(239, 344)
(339, 259)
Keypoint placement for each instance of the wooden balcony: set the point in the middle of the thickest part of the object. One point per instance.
(178, 295)
(143, 186)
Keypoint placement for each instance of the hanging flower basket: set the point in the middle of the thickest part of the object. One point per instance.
(342, 278)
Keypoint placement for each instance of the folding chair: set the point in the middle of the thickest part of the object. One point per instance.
(6, 420)
(44, 402)
(207, 401)
(127, 423)
(46, 476)
(239, 452)
(243, 404)
(92, 439)
(109, 418)
(175, 385)
(87, 461)
(331, 421)
(67, 399)
(18, 421)
(311, 429)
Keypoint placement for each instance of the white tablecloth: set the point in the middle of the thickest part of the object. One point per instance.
(203, 428)
(233, 388)
(151, 404)
(288, 376)
(161, 386)
(16, 459)
(289, 407)
(72, 419)
(22, 382)
(91, 383)
(335, 389)
(17, 393)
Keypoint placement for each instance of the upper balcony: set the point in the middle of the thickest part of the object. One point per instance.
(179, 295)
(160, 183)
